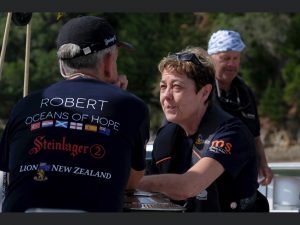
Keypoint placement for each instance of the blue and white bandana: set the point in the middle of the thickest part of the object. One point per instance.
(224, 41)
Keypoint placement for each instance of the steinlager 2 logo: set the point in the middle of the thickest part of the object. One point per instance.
(41, 143)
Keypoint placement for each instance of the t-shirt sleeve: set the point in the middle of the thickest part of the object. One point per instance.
(4, 150)
(138, 157)
(233, 146)
(8, 133)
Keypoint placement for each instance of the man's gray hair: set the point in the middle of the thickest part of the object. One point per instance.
(68, 67)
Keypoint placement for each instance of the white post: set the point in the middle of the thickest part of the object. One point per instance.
(4, 43)
(27, 59)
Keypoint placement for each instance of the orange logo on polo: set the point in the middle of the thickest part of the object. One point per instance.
(220, 146)
(41, 143)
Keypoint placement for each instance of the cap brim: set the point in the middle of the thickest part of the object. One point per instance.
(125, 45)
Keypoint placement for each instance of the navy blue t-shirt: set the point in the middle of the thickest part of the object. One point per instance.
(221, 137)
(72, 145)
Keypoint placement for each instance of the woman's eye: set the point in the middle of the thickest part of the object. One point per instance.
(176, 87)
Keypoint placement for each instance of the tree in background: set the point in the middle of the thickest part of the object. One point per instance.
(291, 69)
(273, 97)
(270, 63)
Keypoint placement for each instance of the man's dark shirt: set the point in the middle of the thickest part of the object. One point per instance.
(240, 102)
(72, 145)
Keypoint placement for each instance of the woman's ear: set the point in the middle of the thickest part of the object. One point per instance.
(205, 92)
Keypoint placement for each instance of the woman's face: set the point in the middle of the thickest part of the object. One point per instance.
(179, 100)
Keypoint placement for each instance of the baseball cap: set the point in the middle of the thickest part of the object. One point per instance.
(224, 41)
(90, 33)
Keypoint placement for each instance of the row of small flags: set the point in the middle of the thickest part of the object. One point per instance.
(70, 125)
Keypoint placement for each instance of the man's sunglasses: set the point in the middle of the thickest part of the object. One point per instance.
(188, 57)
(229, 103)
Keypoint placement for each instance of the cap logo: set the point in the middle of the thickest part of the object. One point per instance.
(87, 50)
(108, 41)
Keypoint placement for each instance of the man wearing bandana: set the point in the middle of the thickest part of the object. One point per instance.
(233, 94)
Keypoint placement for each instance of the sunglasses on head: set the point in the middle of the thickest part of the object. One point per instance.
(187, 57)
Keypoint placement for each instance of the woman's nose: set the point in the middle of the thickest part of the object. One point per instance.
(167, 93)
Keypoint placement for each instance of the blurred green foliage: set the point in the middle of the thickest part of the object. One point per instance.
(270, 62)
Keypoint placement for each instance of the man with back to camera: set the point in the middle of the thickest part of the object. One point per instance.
(76, 144)
(233, 94)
